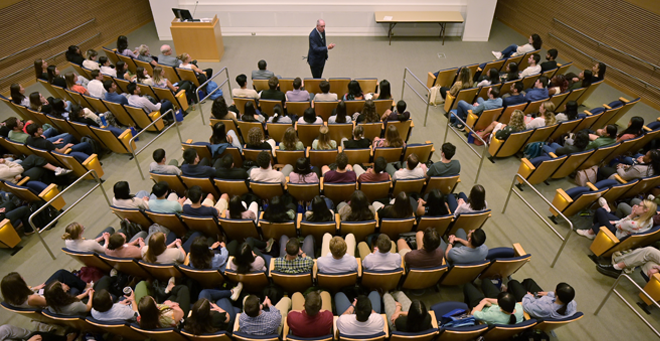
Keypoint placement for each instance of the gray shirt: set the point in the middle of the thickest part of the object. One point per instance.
(118, 312)
(75, 308)
(380, 261)
(464, 255)
(168, 60)
(164, 169)
(262, 74)
(329, 265)
(445, 169)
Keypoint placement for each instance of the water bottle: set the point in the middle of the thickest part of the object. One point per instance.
(104, 122)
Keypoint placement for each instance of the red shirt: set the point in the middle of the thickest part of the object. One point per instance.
(303, 325)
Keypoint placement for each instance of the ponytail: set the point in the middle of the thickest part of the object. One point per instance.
(513, 319)
(565, 293)
(562, 310)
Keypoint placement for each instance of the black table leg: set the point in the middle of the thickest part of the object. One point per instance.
(442, 31)
(389, 33)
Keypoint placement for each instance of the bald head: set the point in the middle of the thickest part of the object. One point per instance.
(166, 50)
(320, 25)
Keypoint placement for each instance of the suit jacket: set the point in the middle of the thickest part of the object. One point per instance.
(318, 51)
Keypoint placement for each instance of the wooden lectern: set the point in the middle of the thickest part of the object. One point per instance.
(201, 40)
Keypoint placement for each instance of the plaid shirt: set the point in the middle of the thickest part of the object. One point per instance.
(266, 323)
(295, 266)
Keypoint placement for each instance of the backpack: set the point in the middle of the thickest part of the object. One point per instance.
(44, 217)
(130, 228)
(212, 86)
(586, 175)
(533, 150)
(96, 146)
(435, 98)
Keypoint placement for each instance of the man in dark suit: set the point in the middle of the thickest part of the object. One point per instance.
(318, 51)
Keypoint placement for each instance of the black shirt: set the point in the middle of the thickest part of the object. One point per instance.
(231, 173)
(40, 142)
(402, 321)
(59, 81)
(549, 65)
(359, 144)
(273, 94)
(262, 146)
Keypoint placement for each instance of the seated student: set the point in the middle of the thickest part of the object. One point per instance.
(429, 252)
(493, 78)
(493, 306)
(446, 166)
(413, 169)
(61, 302)
(17, 95)
(124, 199)
(546, 117)
(320, 210)
(166, 315)
(582, 80)
(80, 151)
(381, 259)
(225, 169)
(514, 97)
(551, 63)
(543, 305)
(298, 94)
(464, 81)
(273, 93)
(603, 137)
(384, 90)
(392, 139)
(278, 116)
(280, 210)
(106, 68)
(398, 208)
(494, 101)
(309, 117)
(204, 257)
(511, 73)
(104, 309)
(54, 76)
(91, 63)
(471, 247)
(209, 318)
(533, 68)
(358, 141)
(18, 294)
(123, 73)
(513, 50)
(71, 83)
(357, 208)
(598, 71)
(293, 259)
(159, 166)
(539, 91)
(639, 220)
(33, 166)
(165, 201)
(262, 73)
(188, 63)
(354, 92)
(339, 114)
(400, 114)
(137, 100)
(247, 257)
(337, 254)
(571, 112)
(255, 320)
(74, 241)
(475, 203)
(16, 133)
(360, 318)
(315, 320)
(265, 173)
(404, 315)
(223, 138)
(377, 173)
(194, 167)
(158, 252)
(558, 85)
(243, 91)
(325, 95)
(220, 110)
(290, 140)
(323, 142)
(95, 87)
(644, 166)
(111, 95)
(647, 258)
(238, 209)
(579, 145)
(86, 116)
(635, 128)
(432, 205)
(206, 208)
(118, 247)
(166, 58)
(343, 174)
(256, 140)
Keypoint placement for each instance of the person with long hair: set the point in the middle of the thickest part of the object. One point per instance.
(158, 251)
(502, 131)
(400, 207)
(74, 55)
(392, 139)
(246, 256)
(74, 241)
(61, 302)
(511, 73)
(463, 81)
(399, 114)
(340, 115)
(546, 116)
(17, 93)
(256, 140)
(493, 306)
(204, 257)
(71, 83)
(433, 204)
(208, 317)
(533, 43)
(598, 71)
(278, 211)
(476, 202)
(639, 220)
(643, 166)
(165, 315)
(220, 110)
(122, 47)
(579, 144)
(558, 85)
(124, 199)
(159, 80)
(54, 76)
(354, 91)
(252, 114)
(323, 142)
(582, 80)
(142, 77)
(91, 62)
(309, 117)
(541, 304)
(368, 114)
(238, 209)
(358, 141)
(603, 137)
(278, 116)
(492, 78)
(188, 63)
(40, 69)
(570, 113)
(357, 208)
(290, 140)
(221, 135)
(320, 210)
(635, 128)
(384, 91)
(17, 293)
(302, 172)
(404, 315)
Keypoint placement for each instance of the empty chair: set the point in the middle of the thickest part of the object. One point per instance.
(540, 173)
(444, 78)
(505, 261)
(25, 194)
(169, 220)
(463, 273)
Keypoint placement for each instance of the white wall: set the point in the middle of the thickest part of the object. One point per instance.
(479, 19)
(298, 17)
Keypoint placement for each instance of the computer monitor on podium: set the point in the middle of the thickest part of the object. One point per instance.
(182, 14)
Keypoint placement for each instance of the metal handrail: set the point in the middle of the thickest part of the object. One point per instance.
(563, 238)
(609, 66)
(199, 100)
(428, 91)
(48, 58)
(52, 222)
(136, 153)
(613, 290)
(48, 40)
(470, 130)
(600, 43)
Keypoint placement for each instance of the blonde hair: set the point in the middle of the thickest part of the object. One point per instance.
(182, 57)
(290, 139)
(517, 120)
(338, 247)
(156, 247)
(548, 106)
(550, 119)
(72, 231)
(143, 49)
(323, 142)
(158, 71)
(651, 208)
(392, 137)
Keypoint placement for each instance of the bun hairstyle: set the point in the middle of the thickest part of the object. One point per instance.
(72, 231)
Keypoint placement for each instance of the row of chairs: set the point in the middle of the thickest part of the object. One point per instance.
(338, 85)
(322, 109)
(595, 119)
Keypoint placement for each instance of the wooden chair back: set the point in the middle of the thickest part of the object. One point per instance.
(354, 106)
(445, 184)
(391, 154)
(569, 166)
(324, 109)
(277, 230)
(288, 157)
(240, 103)
(338, 192)
(162, 272)
(508, 331)
(286, 84)
(368, 85)
(304, 191)
(470, 221)
(312, 85)
(260, 84)
(207, 225)
(133, 215)
(404, 128)
(394, 227)
(121, 115)
(444, 78)
(231, 187)
(127, 266)
(316, 229)
(266, 190)
(598, 156)
(268, 105)
(587, 93)
(188, 75)
(244, 128)
(209, 279)
(143, 118)
(408, 186)
(360, 229)
(463, 273)
(422, 278)
(423, 151)
(252, 154)
(205, 183)
(385, 280)
(549, 324)
(338, 131)
(376, 190)
(358, 156)
(169, 220)
(319, 158)
(372, 130)
(88, 259)
(168, 334)
(239, 229)
(307, 133)
(173, 181)
(297, 108)
(441, 223)
(339, 86)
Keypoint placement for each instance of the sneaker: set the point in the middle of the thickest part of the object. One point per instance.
(651, 197)
(586, 233)
(170, 285)
(497, 54)
(113, 272)
(608, 270)
(59, 171)
(269, 245)
(603, 203)
(236, 291)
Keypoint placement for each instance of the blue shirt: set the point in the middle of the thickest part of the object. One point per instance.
(464, 254)
(487, 105)
(197, 171)
(514, 100)
(219, 260)
(537, 94)
(545, 307)
(329, 265)
(204, 211)
(116, 98)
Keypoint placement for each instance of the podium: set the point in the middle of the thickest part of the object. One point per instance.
(201, 40)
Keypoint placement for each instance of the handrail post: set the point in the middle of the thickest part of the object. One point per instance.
(199, 100)
(403, 84)
(476, 136)
(407, 71)
(136, 153)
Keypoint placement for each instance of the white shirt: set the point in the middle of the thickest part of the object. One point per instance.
(106, 70)
(90, 64)
(530, 71)
(349, 325)
(522, 49)
(142, 102)
(405, 173)
(267, 175)
(96, 89)
(538, 122)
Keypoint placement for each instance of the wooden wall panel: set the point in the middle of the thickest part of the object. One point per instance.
(29, 22)
(621, 24)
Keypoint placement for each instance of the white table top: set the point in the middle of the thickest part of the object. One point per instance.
(419, 16)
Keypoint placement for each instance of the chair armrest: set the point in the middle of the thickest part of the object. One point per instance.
(624, 100)
(592, 186)
(620, 179)
(321, 183)
(434, 321)
(386, 325)
(237, 326)
(563, 195)
(359, 266)
(315, 269)
(189, 141)
(47, 189)
(607, 107)
(430, 79)
(261, 217)
(553, 155)
(271, 267)
(518, 250)
(525, 169)
(67, 151)
(334, 326)
(285, 329)
(604, 241)
(23, 181)
(126, 132)
(561, 200)
(647, 128)
(298, 220)
(186, 261)
(587, 112)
